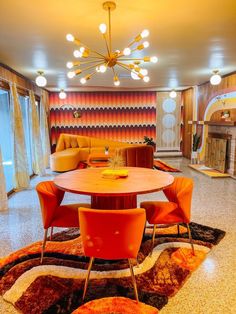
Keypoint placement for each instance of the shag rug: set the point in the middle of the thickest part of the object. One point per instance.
(56, 286)
(163, 166)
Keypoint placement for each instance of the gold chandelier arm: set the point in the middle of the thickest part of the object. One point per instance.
(91, 66)
(123, 65)
(86, 62)
(132, 59)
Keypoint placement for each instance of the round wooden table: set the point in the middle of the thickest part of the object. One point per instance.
(109, 193)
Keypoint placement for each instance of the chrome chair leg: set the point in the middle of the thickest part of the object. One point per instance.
(43, 245)
(190, 238)
(153, 239)
(133, 280)
(51, 233)
(87, 277)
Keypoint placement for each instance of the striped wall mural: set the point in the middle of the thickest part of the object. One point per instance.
(120, 116)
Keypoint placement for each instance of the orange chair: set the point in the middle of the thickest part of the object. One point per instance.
(111, 234)
(176, 211)
(54, 214)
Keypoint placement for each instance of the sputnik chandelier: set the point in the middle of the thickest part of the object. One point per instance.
(98, 63)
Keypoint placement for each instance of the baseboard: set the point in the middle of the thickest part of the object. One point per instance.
(168, 154)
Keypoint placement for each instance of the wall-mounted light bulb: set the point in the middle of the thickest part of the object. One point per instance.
(62, 94)
(154, 59)
(103, 28)
(70, 37)
(146, 44)
(127, 51)
(40, 79)
(71, 74)
(215, 78)
(145, 33)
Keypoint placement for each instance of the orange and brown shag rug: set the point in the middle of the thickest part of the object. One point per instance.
(163, 166)
(56, 286)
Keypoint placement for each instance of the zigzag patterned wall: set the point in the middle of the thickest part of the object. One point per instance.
(121, 116)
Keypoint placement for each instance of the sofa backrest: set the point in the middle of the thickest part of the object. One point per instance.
(137, 156)
(71, 141)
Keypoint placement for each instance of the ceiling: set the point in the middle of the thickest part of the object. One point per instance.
(190, 38)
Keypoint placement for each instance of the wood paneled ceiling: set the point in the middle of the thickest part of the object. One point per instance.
(191, 38)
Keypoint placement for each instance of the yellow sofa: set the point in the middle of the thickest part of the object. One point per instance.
(71, 149)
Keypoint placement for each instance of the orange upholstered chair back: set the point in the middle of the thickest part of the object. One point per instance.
(137, 156)
(50, 197)
(180, 192)
(111, 234)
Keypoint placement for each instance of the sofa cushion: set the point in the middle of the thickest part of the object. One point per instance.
(83, 141)
(67, 141)
(74, 142)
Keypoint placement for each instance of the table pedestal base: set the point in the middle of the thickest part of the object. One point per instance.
(114, 202)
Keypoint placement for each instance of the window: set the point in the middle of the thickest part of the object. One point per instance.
(24, 103)
(6, 139)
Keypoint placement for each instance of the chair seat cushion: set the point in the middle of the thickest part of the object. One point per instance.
(162, 212)
(67, 215)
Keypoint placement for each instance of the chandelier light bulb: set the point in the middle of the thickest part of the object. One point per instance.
(154, 59)
(103, 28)
(70, 37)
(110, 60)
(102, 68)
(144, 72)
(40, 79)
(173, 94)
(83, 80)
(69, 65)
(146, 44)
(145, 33)
(62, 94)
(215, 78)
(71, 74)
(146, 79)
(127, 51)
(77, 54)
(134, 75)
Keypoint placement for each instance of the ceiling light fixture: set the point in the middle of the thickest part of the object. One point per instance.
(40, 79)
(62, 94)
(173, 94)
(99, 63)
(215, 78)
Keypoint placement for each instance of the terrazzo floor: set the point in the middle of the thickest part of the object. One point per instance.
(212, 287)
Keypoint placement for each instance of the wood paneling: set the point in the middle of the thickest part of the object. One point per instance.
(187, 99)
(207, 91)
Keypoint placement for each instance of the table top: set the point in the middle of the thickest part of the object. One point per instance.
(90, 182)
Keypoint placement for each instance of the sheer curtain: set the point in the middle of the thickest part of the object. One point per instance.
(44, 105)
(3, 193)
(37, 151)
(21, 173)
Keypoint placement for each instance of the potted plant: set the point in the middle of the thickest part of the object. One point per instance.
(195, 146)
(149, 141)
